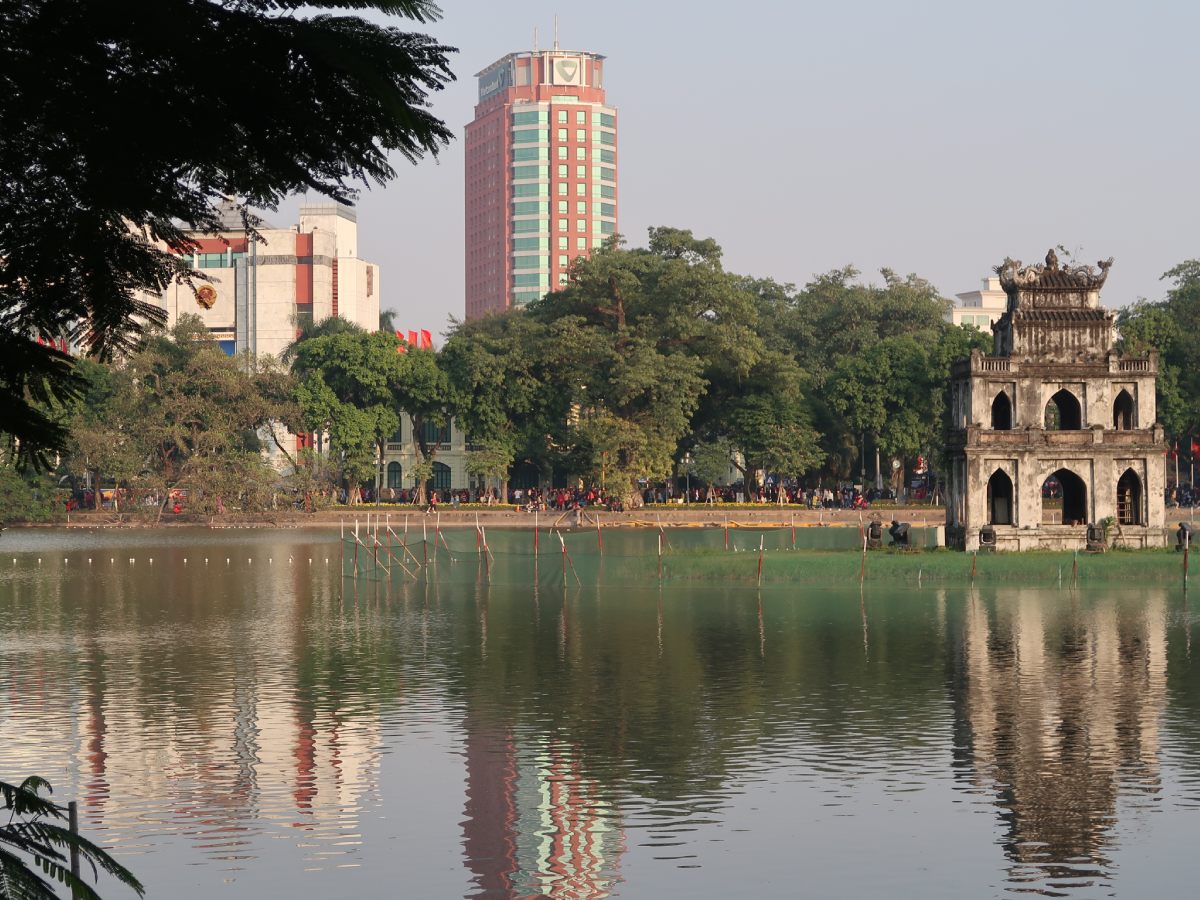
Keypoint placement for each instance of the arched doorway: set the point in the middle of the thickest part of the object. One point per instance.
(1000, 498)
(1064, 499)
(394, 479)
(1002, 412)
(1129, 498)
(1123, 417)
(1063, 412)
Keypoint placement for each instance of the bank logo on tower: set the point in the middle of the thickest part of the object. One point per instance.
(567, 71)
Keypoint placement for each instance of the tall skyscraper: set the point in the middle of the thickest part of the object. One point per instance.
(541, 170)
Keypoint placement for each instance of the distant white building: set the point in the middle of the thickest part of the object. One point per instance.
(981, 308)
(260, 292)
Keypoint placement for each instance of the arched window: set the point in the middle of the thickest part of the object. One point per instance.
(394, 479)
(1063, 412)
(441, 477)
(1064, 499)
(1129, 498)
(1123, 416)
(1002, 412)
(1000, 498)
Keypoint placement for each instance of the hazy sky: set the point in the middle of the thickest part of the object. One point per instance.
(928, 137)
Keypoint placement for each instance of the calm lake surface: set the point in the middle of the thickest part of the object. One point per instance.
(261, 727)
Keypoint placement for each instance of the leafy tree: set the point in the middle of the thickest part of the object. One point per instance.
(494, 368)
(422, 390)
(345, 389)
(85, 223)
(36, 836)
(1172, 326)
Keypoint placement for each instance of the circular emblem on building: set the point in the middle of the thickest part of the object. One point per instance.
(206, 296)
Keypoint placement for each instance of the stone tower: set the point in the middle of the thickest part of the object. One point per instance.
(1055, 430)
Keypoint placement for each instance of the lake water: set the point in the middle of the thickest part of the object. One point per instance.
(255, 726)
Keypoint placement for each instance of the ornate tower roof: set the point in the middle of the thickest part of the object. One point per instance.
(1054, 313)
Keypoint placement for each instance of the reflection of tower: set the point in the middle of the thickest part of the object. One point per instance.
(535, 825)
(1062, 707)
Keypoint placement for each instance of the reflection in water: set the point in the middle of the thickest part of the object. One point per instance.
(1062, 705)
(490, 734)
(535, 825)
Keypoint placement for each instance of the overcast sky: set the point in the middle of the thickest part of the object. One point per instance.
(928, 137)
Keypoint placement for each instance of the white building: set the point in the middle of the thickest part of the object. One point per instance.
(260, 292)
(981, 308)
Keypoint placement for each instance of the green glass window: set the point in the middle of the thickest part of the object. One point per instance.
(562, 117)
(607, 156)
(581, 134)
(535, 117)
(608, 227)
(607, 120)
(562, 189)
(581, 225)
(534, 279)
(531, 243)
(608, 192)
(608, 209)
(530, 154)
(530, 262)
(531, 189)
(581, 153)
(562, 207)
(581, 172)
(607, 137)
(562, 171)
(524, 173)
(531, 208)
(562, 135)
(530, 136)
(521, 298)
(562, 243)
(580, 117)
(581, 207)
(525, 226)
(562, 152)
(562, 224)
(581, 189)
(581, 243)
(608, 174)
(564, 261)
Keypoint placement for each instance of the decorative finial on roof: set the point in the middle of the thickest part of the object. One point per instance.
(1015, 276)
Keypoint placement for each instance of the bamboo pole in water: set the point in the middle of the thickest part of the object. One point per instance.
(760, 559)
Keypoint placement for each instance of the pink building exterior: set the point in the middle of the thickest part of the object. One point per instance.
(541, 175)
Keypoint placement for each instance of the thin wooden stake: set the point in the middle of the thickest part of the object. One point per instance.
(535, 534)
(760, 559)
(599, 535)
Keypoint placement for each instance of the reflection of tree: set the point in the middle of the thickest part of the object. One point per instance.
(1059, 707)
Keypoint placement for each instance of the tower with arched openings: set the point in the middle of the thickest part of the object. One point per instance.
(1054, 430)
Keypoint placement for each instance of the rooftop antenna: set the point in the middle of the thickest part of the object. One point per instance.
(535, 50)
(556, 32)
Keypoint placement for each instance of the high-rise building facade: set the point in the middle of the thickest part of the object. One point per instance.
(541, 175)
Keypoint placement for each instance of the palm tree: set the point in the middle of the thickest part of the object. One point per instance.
(310, 330)
(32, 839)
(387, 320)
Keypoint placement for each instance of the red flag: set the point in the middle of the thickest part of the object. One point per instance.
(401, 347)
(1195, 447)
(426, 340)
(412, 339)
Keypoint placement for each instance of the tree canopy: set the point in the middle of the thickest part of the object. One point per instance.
(250, 99)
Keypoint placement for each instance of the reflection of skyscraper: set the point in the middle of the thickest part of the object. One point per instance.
(535, 825)
(1061, 708)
